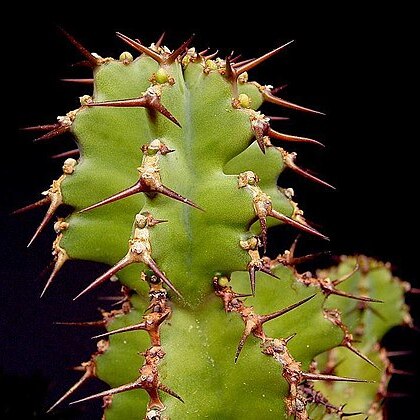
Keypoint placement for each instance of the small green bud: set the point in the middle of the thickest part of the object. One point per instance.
(126, 57)
(161, 76)
(244, 100)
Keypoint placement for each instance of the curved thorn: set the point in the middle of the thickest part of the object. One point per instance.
(69, 153)
(323, 377)
(269, 317)
(53, 133)
(107, 275)
(135, 327)
(112, 391)
(169, 391)
(79, 81)
(257, 61)
(287, 137)
(93, 61)
(294, 223)
(134, 189)
(150, 262)
(179, 51)
(140, 47)
(269, 97)
(212, 55)
(346, 276)
(40, 203)
(61, 259)
(174, 195)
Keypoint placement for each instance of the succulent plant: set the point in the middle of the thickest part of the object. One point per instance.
(174, 185)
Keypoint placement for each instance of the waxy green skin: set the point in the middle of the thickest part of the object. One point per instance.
(377, 281)
(211, 149)
(214, 144)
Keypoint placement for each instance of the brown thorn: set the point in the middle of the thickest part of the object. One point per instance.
(147, 101)
(397, 395)
(69, 153)
(353, 413)
(44, 201)
(140, 47)
(323, 377)
(61, 259)
(269, 317)
(245, 335)
(112, 391)
(257, 61)
(346, 276)
(287, 137)
(93, 61)
(269, 272)
(287, 339)
(269, 97)
(174, 195)
(294, 223)
(44, 127)
(107, 275)
(350, 296)
(153, 266)
(294, 245)
(251, 271)
(232, 75)
(158, 43)
(278, 89)
(89, 373)
(48, 216)
(401, 372)
(169, 391)
(235, 65)
(79, 81)
(211, 56)
(99, 323)
(414, 291)
(359, 353)
(396, 353)
(290, 163)
(179, 51)
(134, 189)
(53, 133)
(204, 52)
(309, 257)
(136, 327)
(277, 118)
(263, 224)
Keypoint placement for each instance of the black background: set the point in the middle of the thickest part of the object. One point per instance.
(352, 63)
